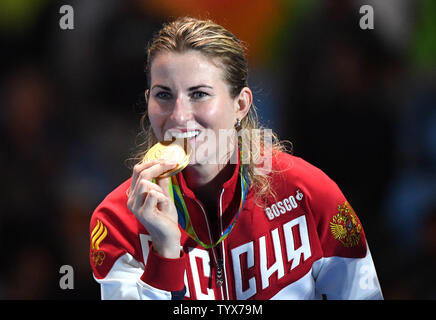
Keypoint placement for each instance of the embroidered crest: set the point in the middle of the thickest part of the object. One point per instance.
(345, 227)
(98, 257)
(98, 234)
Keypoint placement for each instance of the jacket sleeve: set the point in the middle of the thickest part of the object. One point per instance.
(346, 270)
(341, 278)
(125, 265)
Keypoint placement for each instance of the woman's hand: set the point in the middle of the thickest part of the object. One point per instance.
(152, 204)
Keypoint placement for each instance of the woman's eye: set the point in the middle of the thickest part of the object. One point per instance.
(163, 95)
(199, 94)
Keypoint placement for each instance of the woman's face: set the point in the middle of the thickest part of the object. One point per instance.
(190, 99)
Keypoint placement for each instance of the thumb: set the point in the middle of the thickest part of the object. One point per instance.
(164, 183)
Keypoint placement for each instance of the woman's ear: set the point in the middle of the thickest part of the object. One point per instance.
(243, 103)
(147, 93)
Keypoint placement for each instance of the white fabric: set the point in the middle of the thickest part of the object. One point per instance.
(335, 277)
(347, 278)
(338, 279)
(302, 289)
(123, 282)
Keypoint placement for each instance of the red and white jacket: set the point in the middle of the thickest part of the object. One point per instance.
(306, 243)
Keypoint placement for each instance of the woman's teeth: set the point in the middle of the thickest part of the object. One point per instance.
(185, 135)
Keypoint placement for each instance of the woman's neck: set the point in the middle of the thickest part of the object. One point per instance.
(207, 179)
(205, 175)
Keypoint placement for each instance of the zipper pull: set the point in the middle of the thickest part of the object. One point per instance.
(219, 272)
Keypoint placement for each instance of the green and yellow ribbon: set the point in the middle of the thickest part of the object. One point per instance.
(183, 214)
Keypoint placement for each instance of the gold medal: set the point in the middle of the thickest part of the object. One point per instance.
(177, 150)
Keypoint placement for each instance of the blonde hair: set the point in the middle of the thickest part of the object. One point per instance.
(217, 43)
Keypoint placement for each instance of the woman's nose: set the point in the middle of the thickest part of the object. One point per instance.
(181, 112)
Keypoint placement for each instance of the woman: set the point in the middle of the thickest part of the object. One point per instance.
(244, 220)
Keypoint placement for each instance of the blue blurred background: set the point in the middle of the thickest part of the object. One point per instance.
(359, 104)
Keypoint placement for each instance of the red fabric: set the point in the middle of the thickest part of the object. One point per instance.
(165, 274)
(259, 227)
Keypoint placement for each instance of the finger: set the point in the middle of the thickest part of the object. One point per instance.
(162, 202)
(152, 200)
(142, 188)
(164, 184)
(137, 169)
(149, 206)
(164, 196)
(157, 170)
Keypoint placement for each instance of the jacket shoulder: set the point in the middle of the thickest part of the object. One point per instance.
(294, 173)
(113, 209)
(290, 170)
(114, 203)
(113, 231)
(339, 229)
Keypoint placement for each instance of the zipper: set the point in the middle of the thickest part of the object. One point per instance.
(219, 272)
(223, 273)
(218, 262)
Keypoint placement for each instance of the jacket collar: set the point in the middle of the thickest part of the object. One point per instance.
(228, 188)
(228, 200)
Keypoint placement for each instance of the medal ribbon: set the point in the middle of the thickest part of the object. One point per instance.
(183, 214)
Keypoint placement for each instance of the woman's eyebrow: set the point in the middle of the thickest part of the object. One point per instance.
(199, 86)
(189, 89)
(161, 86)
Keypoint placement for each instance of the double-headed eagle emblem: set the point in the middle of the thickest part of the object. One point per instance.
(345, 226)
